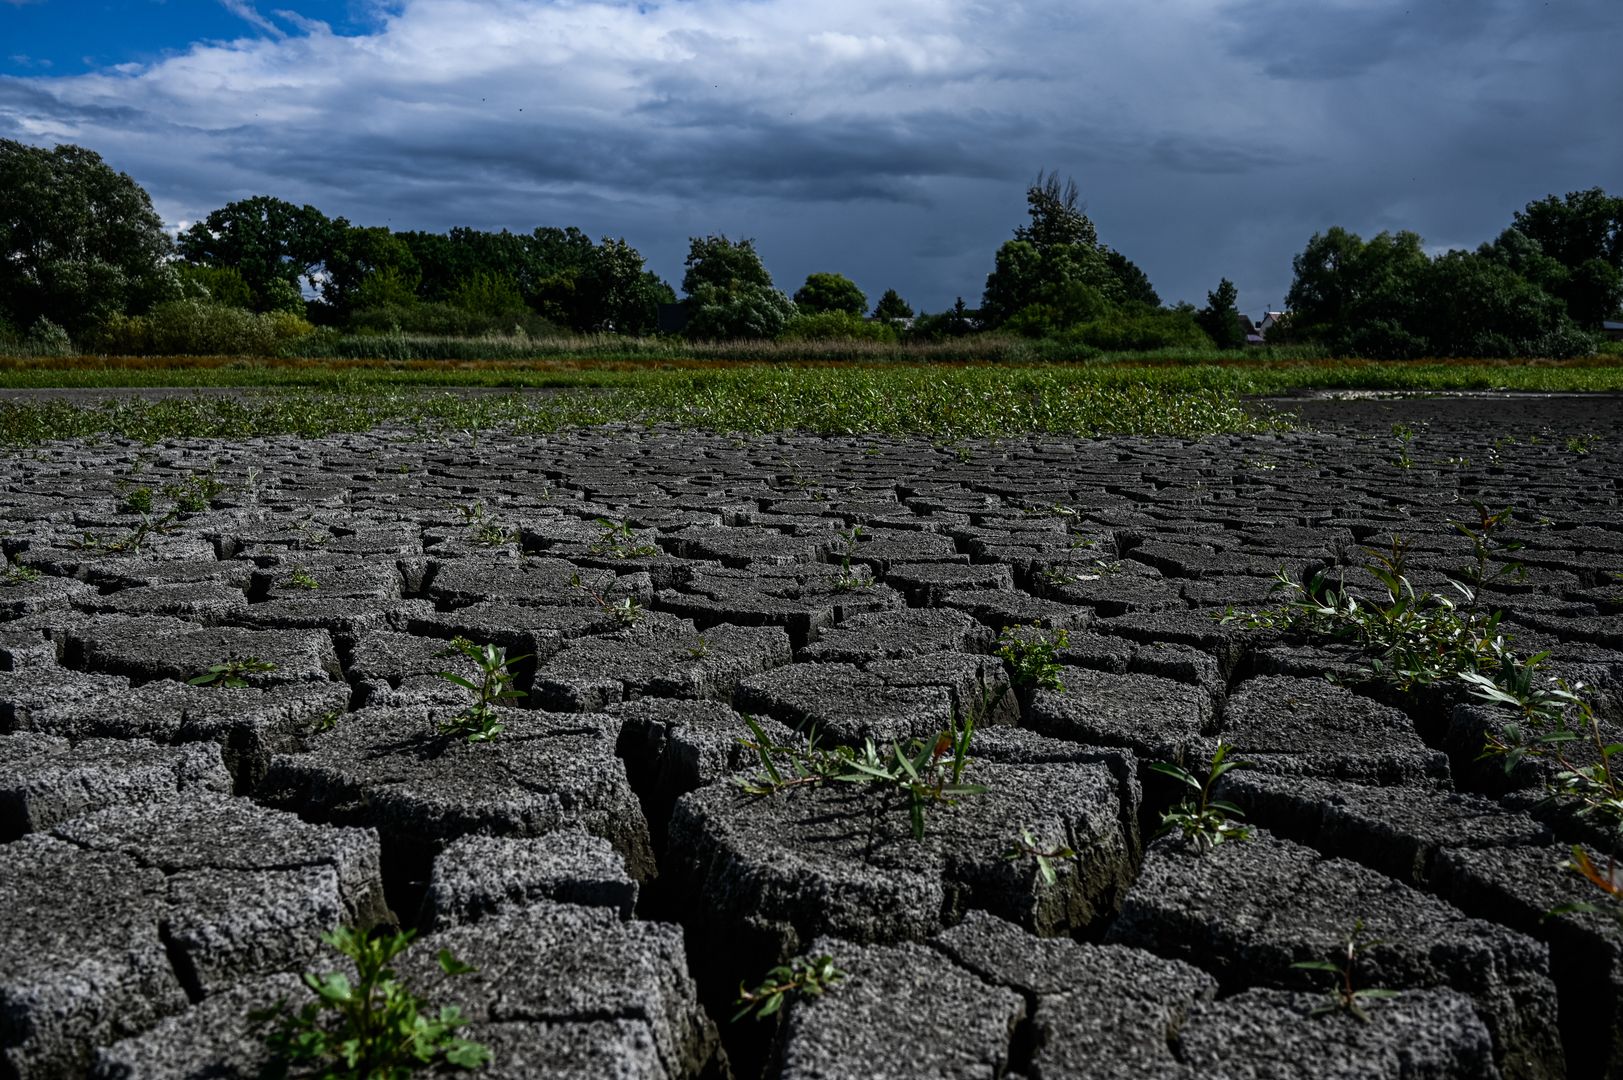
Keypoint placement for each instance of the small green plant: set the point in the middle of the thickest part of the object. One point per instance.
(1345, 995)
(136, 501)
(1582, 444)
(1609, 880)
(807, 978)
(1404, 436)
(626, 611)
(930, 772)
(326, 723)
(1032, 656)
(1484, 534)
(373, 1027)
(486, 530)
(301, 578)
(478, 723)
(846, 543)
(193, 494)
(619, 541)
(1203, 819)
(18, 574)
(1027, 847)
(699, 649)
(232, 673)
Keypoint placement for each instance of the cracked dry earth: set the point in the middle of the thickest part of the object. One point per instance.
(170, 854)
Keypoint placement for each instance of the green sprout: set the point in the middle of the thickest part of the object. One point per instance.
(1345, 996)
(808, 978)
(1032, 656)
(619, 541)
(1204, 820)
(478, 722)
(232, 673)
(1027, 847)
(374, 1027)
(302, 579)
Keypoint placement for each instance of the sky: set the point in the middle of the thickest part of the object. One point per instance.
(888, 140)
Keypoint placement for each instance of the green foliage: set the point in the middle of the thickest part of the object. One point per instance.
(301, 578)
(232, 673)
(718, 263)
(836, 326)
(1135, 284)
(1345, 995)
(807, 977)
(214, 284)
(485, 529)
(478, 722)
(892, 306)
(18, 574)
(830, 294)
(619, 540)
(1202, 819)
(929, 772)
(201, 328)
(1220, 318)
(491, 295)
(1032, 656)
(1027, 847)
(1609, 880)
(274, 245)
(374, 1027)
(79, 242)
(745, 312)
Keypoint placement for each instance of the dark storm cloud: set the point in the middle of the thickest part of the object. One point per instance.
(888, 141)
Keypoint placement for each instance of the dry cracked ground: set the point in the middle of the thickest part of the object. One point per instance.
(170, 854)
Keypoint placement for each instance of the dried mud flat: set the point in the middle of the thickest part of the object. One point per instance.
(170, 854)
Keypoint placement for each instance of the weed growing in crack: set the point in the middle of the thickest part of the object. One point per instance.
(373, 1027)
(1556, 718)
(1032, 656)
(626, 611)
(930, 772)
(805, 978)
(1027, 847)
(1346, 996)
(1608, 880)
(1202, 819)
(478, 723)
(232, 673)
(847, 542)
(1484, 534)
(302, 579)
(486, 530)
(1582, 444)
(18, 574)
(619, 541)
(136, 500)
(1404, 435)
(194, 494)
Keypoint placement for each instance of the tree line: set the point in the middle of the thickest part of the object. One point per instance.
(86, 264)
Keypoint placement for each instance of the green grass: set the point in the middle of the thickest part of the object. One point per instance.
(937, 402)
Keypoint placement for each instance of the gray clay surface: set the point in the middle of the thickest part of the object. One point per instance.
(170, 854)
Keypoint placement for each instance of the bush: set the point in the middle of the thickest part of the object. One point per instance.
(745, 311)
(46, 338)
(216, 284)
(836, 326)
(447, 320)
(201, 328)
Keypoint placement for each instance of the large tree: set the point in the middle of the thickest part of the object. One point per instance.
(830, 292)
(79, 242)
(1053, 265)
(729, 292)
(1357, 297)
(1220, 318)
(276, 246)
(892, 306)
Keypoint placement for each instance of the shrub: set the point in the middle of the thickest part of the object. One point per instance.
(836, 326)
(201, 328)
(46, 338)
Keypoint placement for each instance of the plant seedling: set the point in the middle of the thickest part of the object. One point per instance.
(808, 978)
(846, 543)
(1203, 819)
(478, 723)
(619, 541)
(373, 1027)
(302, 579)
(232, 673)
(1345, 996)
(1032, 655)
(485, 530)
(626, 610)
(1608, 880)
(18, 574)
(1026, 847)
(137, 501)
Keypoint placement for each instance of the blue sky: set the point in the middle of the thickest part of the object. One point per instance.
(889, 140)
(54, 37)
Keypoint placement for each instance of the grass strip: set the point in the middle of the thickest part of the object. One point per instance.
(943, 403)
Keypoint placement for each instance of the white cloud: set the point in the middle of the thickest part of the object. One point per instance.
(889, 139)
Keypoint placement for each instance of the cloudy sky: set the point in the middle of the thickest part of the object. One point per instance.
(890, 140)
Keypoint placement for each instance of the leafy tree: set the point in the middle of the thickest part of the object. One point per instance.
(1359, 298)
(830, 292)
(1592, 290)
(1220, 318)
(620, 293)
(1056, 219)
(892, 306)
(214, 284)
(79, 242)
(1135, 284)
(490, 294)
(358, 256)
(730, 293)
(274, 245)
(723, 264)
(1475, 305)
(1576, 228)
